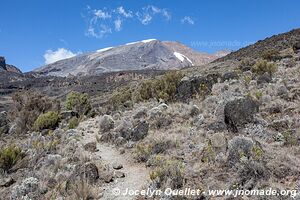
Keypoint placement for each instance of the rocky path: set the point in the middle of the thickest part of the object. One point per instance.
(136, 175)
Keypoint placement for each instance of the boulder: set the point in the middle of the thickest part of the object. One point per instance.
(296, 47)
(190, 86)
(117, 166)
(239, 147)
(119, 174)
(239, 112)
(6, 182)
(91, 147)
(27, 186)
(140, 131)
(140, 112)
(67, 115)
(194, 110)
(229, 75)
(264, 78)
(2, 63)
(3, 123)
(106, 123)
(124, 129)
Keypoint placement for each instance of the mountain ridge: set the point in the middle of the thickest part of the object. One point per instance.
(140, 55)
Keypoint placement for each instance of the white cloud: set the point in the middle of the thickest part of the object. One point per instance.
(145, 18)
(187, 20)
(118, 24)
(148, 12)
(101, 22)
(123, 12)
(101, 14)
(98, 31)
(60, 54)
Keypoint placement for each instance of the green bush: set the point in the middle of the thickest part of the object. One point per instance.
(73, 123)
(26, 107)
(121, 98)
(270, 55)
(78, 102)
(264, 66)
(48, 120)
(169, 173)
(161, 88)
(9, 157)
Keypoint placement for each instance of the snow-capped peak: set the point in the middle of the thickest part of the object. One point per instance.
(104, 49)
(143, 41)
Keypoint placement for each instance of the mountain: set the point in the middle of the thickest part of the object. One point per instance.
(8, 68)
(276, 42)
(141, 55)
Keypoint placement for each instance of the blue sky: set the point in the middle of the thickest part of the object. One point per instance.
(33, 32)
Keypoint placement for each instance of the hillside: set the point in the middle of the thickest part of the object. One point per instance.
(276, 42)
(232, 125)
(147, 54)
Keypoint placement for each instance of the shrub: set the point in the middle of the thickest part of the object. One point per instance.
(263, 66)
(169, 173)
(48, 120)
(270, 55)
(9, 156)
(78, 102)
(27, 107)
(120, 98)
(290, 138)
(162, 88)
(73, 123)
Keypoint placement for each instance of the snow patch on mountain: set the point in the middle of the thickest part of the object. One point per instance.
(142, 41)
(104, 49)
(181, 57)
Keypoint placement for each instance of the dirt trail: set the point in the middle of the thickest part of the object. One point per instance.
(136, 175)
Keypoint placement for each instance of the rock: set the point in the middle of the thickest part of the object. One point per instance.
(264, 78)
(190, 86)
(217, 126)
(245, 68)
(237, 148)
(117, 166)
(3, 123)
(87, 171)
(91, 147)
(296, 47)
(163, 107)
(2, 63)
(194, 110)
(140, 131)
(280, 125)
(218, 140)
(51, 183)
(27, 186)
(141, 112)
(125, 129)
(266, 98)
(120, 141)
(157, 111)
(67, 115)
(6, 182)
(107, 177)
(198, 121)
(106, 123)
(282, 91)
(3, 118)
(240, 112)
(229, 75)
(119, 174)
